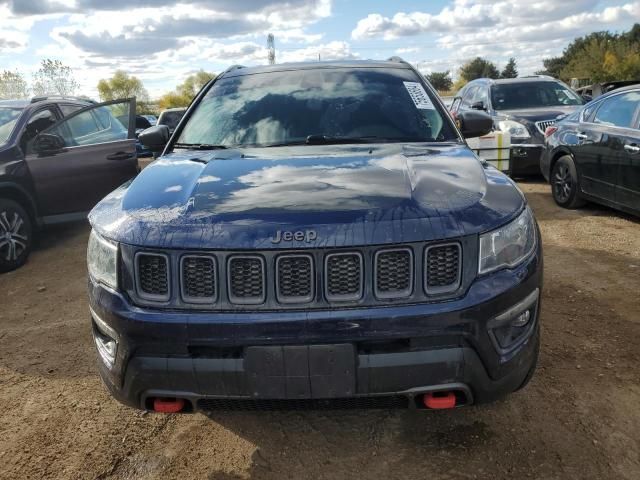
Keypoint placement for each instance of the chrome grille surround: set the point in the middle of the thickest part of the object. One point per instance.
(396, 283)
(201, 285)
(447, 267)
(153, 280)
(295, 288)
(252, 269)
(543, 124)
(352, 265)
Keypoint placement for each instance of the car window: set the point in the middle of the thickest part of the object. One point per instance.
(287, 107)
(39, 122)
(587, 112)
(618, 111)
(468, 96)
(522, 95)
(69, 109)
(96, 125)
(8, 118)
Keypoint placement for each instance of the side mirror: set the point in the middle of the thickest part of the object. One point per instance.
(155, 138)
(48, 143)
(479, 106)
(474, 124)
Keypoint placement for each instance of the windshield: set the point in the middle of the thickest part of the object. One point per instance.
(8, 118)
(515, 96)
(289, 107)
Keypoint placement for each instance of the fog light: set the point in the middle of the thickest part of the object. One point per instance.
(522, 319)
(106, 340)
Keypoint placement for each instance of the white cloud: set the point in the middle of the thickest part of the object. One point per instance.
(328, 51)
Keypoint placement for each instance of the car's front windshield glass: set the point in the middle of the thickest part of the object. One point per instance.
(515, 96)
(8, 118)
(288, 107)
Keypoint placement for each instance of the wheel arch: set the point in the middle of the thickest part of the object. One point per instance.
(562, 152)
(20, 195)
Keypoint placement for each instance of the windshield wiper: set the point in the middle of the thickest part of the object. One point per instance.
(328, 140)
(200, 146)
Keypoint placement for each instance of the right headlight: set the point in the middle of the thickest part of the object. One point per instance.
(102, 260)
(509, 245)
(515, 129)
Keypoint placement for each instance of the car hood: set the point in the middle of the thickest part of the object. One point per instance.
(349, 195)
(537, 114)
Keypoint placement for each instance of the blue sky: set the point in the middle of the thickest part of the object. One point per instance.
(163, 41)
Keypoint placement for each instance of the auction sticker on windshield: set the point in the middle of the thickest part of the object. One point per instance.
(419, 96)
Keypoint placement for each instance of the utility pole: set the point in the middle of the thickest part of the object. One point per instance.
(271, 47)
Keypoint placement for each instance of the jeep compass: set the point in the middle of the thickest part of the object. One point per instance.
(315, 236)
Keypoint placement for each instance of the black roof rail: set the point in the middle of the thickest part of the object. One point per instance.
(397, 59)
(42, 98)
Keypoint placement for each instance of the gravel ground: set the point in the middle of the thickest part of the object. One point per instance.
(578, 419)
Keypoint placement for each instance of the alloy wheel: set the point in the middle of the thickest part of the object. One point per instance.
(562, 183)
(13, 238)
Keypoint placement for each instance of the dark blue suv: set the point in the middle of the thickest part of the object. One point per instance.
(315, 235)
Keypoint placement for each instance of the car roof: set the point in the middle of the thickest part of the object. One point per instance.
(512, 81)
(14, 103)
(238, 70)
(617, 91)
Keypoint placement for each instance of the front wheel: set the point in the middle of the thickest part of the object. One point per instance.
(16, 235)
(564, 184)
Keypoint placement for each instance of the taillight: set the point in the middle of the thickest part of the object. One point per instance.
(550, 131)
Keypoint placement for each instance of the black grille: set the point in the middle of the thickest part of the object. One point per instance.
(384, 402)
(199, 279)
(344, 276)
(443, 268)
(246, 280)
(394, 273)
(295, 278)
(153, 278)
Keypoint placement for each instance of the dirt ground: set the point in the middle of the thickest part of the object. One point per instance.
(578, 419)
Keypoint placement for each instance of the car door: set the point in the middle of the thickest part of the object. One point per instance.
(95, 154)
(600, 141)
(628, 188)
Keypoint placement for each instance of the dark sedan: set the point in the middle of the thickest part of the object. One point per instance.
(594, 154)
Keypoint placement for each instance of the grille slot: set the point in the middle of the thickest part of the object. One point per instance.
(443, 268)
(246, 280)
(152, 279)
(542, 125)
(199, 278)
(381, 402)
(294, 278)
(393, 273)
(343, 276)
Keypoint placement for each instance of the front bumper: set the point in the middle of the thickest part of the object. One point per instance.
(397, 352)
(525, 159)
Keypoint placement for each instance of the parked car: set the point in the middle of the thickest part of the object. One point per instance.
(594, 154)
(315, 235)
(152, 119)
(524, 107)
(58, 157)
(171, 118)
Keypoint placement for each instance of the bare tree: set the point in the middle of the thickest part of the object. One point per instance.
(54, 78)
(12, 85)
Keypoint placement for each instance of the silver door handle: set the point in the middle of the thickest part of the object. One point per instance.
(632, 148)
(581, 136)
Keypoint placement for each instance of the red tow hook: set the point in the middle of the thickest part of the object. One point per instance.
(168, 405)
(439, 400)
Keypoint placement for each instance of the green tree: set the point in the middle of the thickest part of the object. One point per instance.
(122, 85)
(172, 100)
(186, 91)
(510, 70)
(12, 85)
(54, 78)
(479, 68)
(441, 81)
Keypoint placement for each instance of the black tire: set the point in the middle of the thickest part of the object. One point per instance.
(16, 235)
(564, 184)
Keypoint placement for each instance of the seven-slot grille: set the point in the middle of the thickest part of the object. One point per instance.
(199, 280)
(267, 279)
(442, 269)
(394, 273)
(246, 280)
(153, 276)
(343, 276)
(294, 278)
(542, 125)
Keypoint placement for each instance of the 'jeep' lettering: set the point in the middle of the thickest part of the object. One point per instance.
(299, 236)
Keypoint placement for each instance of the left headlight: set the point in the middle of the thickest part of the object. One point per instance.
(515, 129)
(102, 260)
(508, 245)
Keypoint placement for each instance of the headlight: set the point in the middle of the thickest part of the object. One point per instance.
(509, 245)
(102, 260)
(515, 129)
